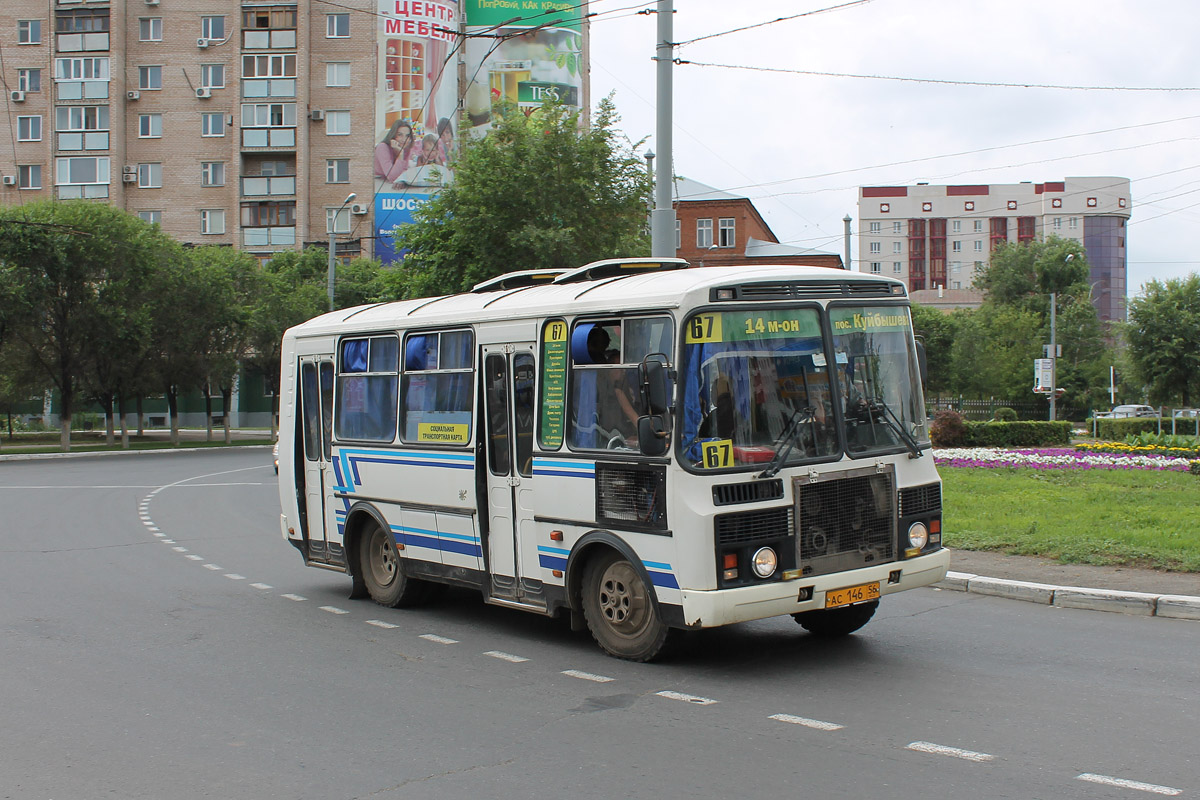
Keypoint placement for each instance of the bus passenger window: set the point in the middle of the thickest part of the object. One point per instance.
(437, 387)
(366, 389)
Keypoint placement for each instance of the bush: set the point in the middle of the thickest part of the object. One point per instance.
(1194, 467)
(1118, 429)
(1018, 434)
(1005, 414)
(949, 429)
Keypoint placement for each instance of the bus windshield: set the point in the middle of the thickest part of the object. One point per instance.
(754, 383)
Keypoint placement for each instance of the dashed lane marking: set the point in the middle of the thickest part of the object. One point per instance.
(505, 656)
(433, 637)
(194, 557)
(688, 698)
(1127, 784)
(808, 723)
(955, 752)
(334, 610)
(179, 549)
(262, 586)
(587, 676)
(296, 597)
(213, 567)
(233, 576)
(378, 623)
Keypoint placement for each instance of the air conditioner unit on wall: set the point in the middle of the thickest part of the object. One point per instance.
(203, 92)
(202, 43)
(17, 96)
(151, 2)
(10, 180)
(132, 94)
(129, 177)
(129, 169)
(317, 115)
(359, 208)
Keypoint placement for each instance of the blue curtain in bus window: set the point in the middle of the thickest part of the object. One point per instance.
(583, 406)
(456, 350)
(354, 355)
(420, 353)
(384, 351)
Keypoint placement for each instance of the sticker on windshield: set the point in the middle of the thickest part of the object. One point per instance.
(717, 453)
(818, 359)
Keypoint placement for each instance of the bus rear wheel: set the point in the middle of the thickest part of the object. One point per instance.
(382, 571)
(834, 623)
(619, 610)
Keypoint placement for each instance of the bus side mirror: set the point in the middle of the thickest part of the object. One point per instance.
(922, 363)
(656, 384)
(653, 437)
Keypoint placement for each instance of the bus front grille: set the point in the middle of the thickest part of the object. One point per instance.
(748, 527)
(925, 499)
(845, 520)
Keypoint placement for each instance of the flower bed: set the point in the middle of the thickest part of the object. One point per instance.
(1120, 448)
(1055, 458)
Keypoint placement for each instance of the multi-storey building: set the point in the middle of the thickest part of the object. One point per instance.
(936, 238)
(249, 123)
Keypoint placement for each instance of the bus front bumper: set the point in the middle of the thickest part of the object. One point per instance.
(709, 609)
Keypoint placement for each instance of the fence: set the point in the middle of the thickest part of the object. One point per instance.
(985, 408)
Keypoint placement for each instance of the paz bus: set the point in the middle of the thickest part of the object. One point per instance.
(642, 446)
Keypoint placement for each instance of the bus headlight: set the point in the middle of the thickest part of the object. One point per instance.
(764, 562)
(918, 535)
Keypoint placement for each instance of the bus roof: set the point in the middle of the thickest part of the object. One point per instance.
(650, 290)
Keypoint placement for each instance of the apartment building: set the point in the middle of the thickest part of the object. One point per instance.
(937, 238)
(250, 124)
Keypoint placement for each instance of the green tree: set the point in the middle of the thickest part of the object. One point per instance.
(1024, 274)
(993, 351)
(355, 283)
(537, 192)
(1162, 334)
(936, 331)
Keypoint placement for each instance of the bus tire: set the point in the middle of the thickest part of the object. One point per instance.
(834, 623)
(620, 611)
(382, 571)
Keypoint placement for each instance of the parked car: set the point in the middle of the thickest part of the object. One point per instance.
(1126, 411)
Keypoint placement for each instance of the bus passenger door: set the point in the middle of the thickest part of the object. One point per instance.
(316, 404)
(508, 387)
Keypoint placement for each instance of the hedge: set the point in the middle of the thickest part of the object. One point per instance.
(1117, 429)
(1018, 434)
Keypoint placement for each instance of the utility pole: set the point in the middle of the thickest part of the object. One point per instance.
(662, 220)
(846, 221)
(1053, 354)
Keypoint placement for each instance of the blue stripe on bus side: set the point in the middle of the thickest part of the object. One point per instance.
(663, 579)
(551, 562)
(346, 463)
(432, 540)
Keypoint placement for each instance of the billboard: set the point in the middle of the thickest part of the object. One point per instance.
(415, 109)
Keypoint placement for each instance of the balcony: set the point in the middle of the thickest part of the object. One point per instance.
(268, 237)
(82, 42)
(82, 90)
(86, 191)
(83, 140)
(283, 39)
(269, 137)
(268, 186)
(268, 87)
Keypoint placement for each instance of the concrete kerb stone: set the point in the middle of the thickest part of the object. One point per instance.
(1137, 603)
(1178, 606)
(1015, 590)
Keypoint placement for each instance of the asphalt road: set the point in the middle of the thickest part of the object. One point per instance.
(159, 640)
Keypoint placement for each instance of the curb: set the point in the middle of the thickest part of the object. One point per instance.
(1145, 604)
(158, 451)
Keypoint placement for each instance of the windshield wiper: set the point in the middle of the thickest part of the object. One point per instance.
(800, 416)
(893, 422)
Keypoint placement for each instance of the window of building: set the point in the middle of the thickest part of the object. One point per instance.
(269, 66)
(337, 123)
(876, 267)
(269, 18)
(29, 80)
(337, 220)
(274, 168)
(1073, 223)
(29, 31)
(149, 78)
(150, 29)
(212, 221)
(726, 232)
(678, 234)
(212, 76)
(80, 118)
(337, 26)
(75, 171)
(212, 173)
(270, 214)
(149, 176)
(269, 115)
(83, 20)
(956, 226)
(337, 73)
(367, 384)
(873, 227)
(979, 226)
(29, 176)
(149, 126)
(897, 248)
(212, 124)
(153, 217)
(978, 245)
(897, 228)
(81, 69)
(896, 266)
(876, 248)
(704, 233)
(337, 170)
(29, 129)
(212, 28)
(1058, 223)
(956, 246)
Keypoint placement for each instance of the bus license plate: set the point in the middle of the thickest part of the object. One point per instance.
(852, 594)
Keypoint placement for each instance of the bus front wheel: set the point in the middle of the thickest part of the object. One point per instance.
(382, 572)
(833, 623)
(619, 610)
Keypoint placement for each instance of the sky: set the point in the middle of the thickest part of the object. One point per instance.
(800, 145)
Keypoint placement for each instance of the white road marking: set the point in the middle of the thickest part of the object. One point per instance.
(943, 750)
(233, 576)
(194, 557)
(334, 610)
(808, 723)
(161, 535)
(168, 541)
(295, 597)
(179, 549)
(439, 639)
(690, 698)
(152, 527)
(378, 623)
(587, 676)
(1125, 784)
(213, 567)
(505, 656)
(262, 586)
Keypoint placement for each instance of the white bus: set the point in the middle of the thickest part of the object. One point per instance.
(643, 446)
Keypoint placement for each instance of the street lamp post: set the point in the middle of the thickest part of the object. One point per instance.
(333, 243)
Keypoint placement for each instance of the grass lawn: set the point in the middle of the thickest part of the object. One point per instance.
(1142, 518)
